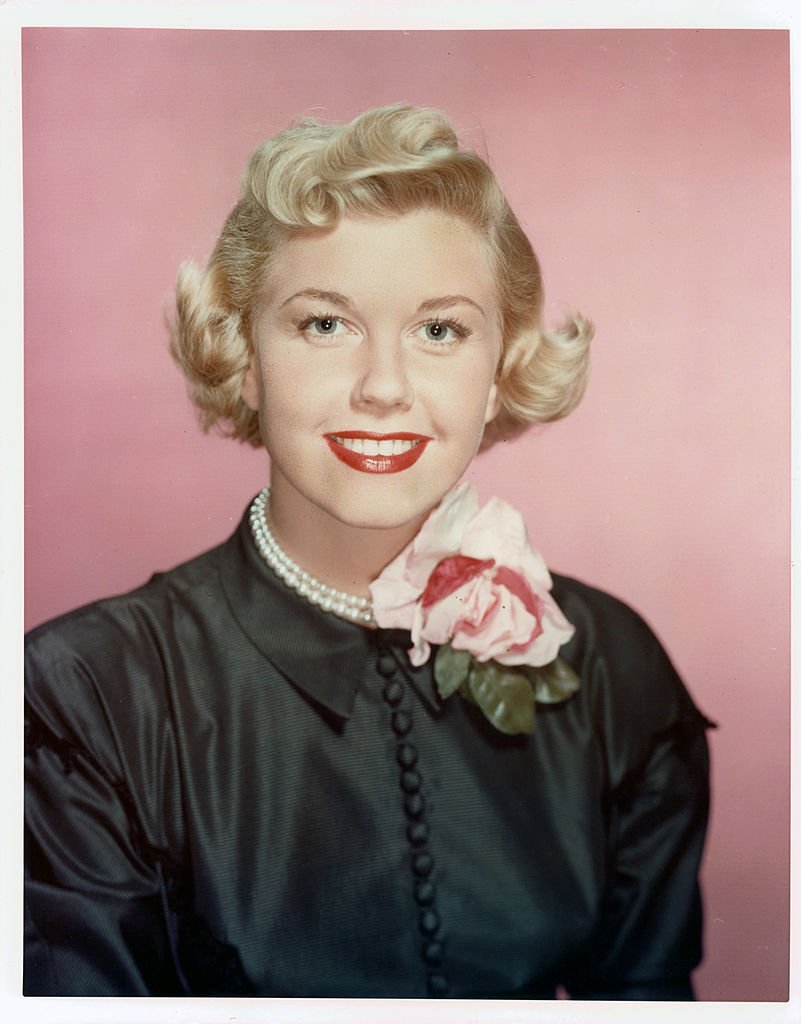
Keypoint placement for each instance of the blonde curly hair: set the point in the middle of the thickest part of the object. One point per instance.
(387, 161)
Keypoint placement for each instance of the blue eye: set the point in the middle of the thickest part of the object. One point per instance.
(325, 325)
(320, 325)
(444, 332)
(436, 331)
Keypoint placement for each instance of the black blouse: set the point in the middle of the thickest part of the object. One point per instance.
(230, 792)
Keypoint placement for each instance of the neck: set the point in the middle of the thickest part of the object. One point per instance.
(344, 557)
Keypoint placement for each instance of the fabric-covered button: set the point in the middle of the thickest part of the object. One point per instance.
(424, 893)
(401, 722)
(393, 692)
(428, 922)
(407, 755)
(386, 665)
(410, 782)
(414, 805)
(432, 953)
(417, 833)
(422, 863)
(437, 984)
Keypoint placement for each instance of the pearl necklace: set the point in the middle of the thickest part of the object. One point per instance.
(357, 609)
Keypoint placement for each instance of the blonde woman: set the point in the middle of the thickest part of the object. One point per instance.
(368, 746)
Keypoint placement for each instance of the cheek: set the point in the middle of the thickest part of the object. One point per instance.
(470, 397)
(282, 385)
(296, 400)
(287, 390)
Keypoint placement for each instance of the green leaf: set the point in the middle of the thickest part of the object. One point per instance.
(464, 691)
(553, 683)
(505, 695)
(451, 669)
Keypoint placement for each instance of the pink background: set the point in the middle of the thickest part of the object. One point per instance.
(651, 170)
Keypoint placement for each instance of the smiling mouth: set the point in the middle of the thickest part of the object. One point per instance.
(377, 453)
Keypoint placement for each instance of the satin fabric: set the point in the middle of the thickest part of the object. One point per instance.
(217, 804)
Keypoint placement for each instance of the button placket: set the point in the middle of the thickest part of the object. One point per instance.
(410, 782)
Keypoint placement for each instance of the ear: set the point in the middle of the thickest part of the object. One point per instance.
(493, 403)
(250, 390)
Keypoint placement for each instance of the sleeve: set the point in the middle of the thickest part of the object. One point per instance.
(648, 937)
(96, 916)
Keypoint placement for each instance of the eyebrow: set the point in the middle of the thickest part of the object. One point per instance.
(335, 298)
(338, 299)
(444, 301)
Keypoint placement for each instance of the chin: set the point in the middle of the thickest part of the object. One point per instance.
(381, 520)
(384, 514)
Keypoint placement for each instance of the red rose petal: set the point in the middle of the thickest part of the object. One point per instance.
(450, 574)
(518, 585)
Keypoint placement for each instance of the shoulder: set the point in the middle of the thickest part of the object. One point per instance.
(114, 615)
(629, 683)
(596, 609)
(96, 663)
(110, 619)
(608, 627)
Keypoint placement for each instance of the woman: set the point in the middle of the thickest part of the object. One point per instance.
(366, 747)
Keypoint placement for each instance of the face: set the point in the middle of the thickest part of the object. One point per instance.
(376, 346)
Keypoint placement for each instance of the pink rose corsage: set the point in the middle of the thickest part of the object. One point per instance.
(471, 583)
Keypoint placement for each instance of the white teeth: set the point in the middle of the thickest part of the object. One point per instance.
(367, 446)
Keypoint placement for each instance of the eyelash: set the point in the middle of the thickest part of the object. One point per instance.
(304, 323)
(461, 330)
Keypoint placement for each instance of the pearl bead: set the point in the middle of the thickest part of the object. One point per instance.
(349, 606)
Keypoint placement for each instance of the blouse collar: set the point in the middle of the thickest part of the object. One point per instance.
(324, 656)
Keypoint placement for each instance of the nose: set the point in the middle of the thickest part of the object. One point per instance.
(382, 383)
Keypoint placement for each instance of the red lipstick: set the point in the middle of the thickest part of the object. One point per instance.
(411, 445)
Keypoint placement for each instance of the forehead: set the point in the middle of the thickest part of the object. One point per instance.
(424, 251)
